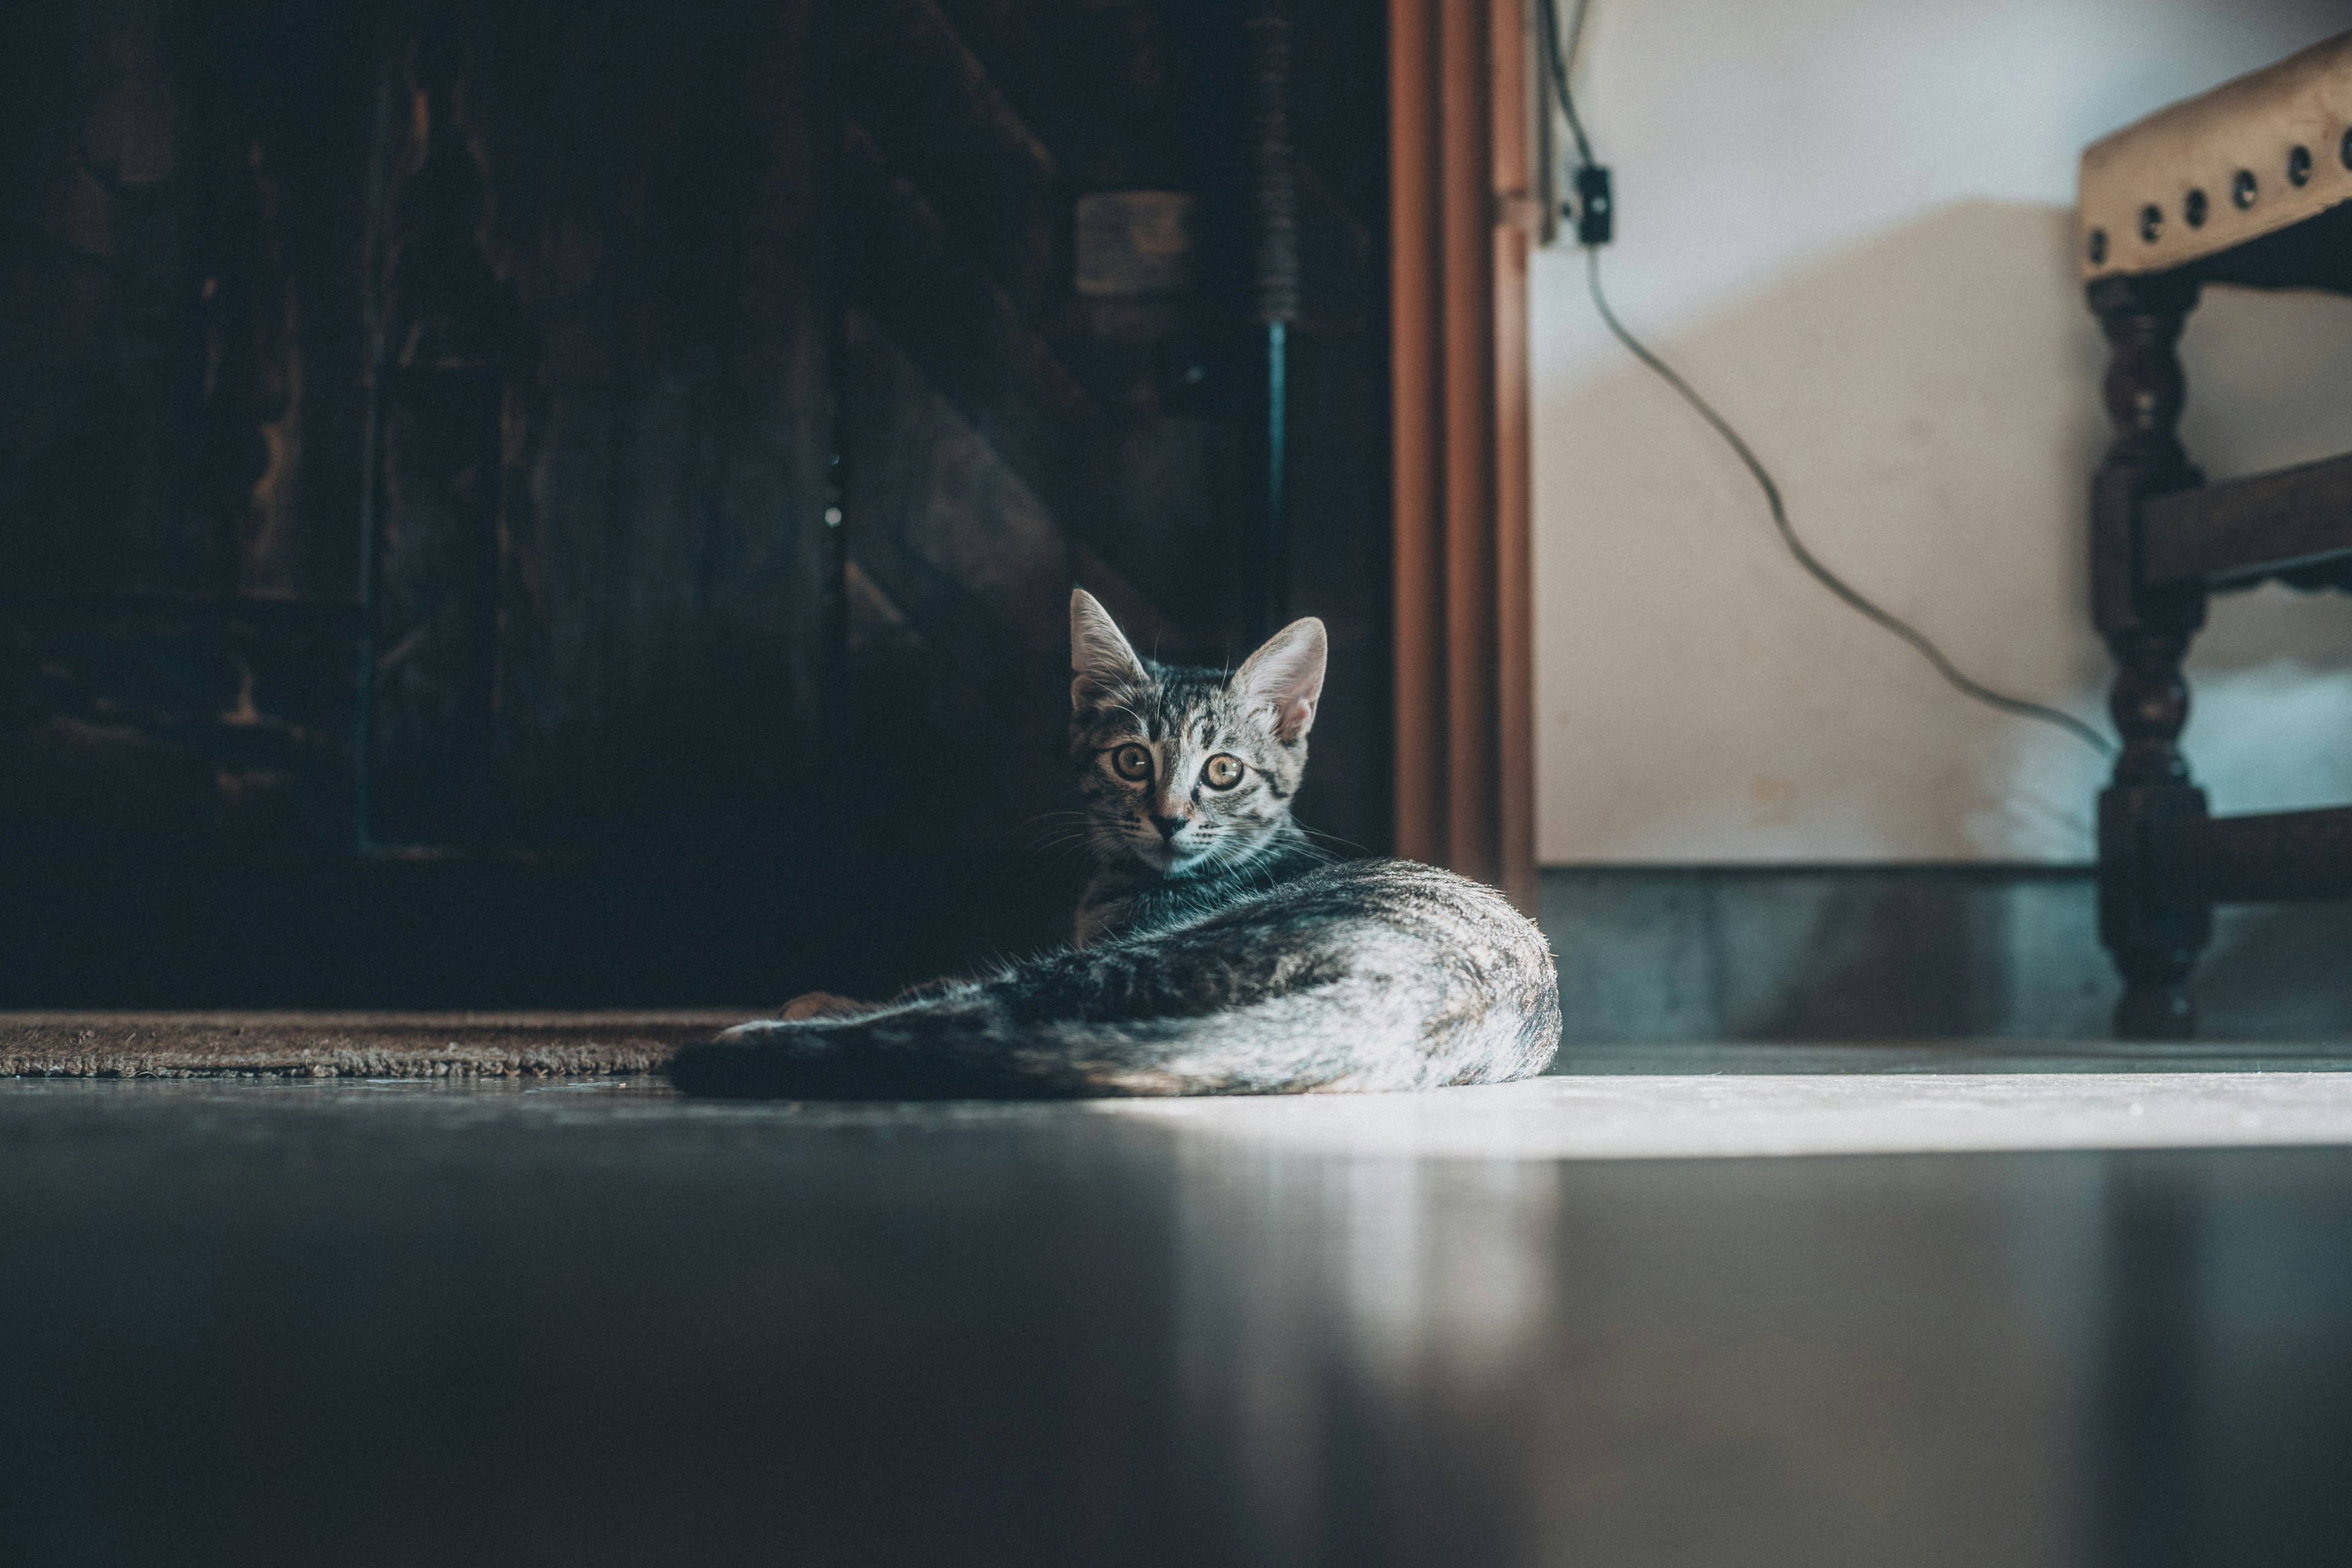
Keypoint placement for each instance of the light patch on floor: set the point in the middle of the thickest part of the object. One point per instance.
(1732, 1115)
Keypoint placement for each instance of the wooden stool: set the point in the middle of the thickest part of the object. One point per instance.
(2250, 184)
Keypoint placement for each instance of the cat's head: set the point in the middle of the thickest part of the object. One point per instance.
(1187, 770)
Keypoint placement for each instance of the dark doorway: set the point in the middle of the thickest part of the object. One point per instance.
(512, 503)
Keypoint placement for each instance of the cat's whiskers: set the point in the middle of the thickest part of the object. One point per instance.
(1059, 830)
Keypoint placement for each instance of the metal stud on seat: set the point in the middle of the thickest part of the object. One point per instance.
(2241, 189)
(2298, 166)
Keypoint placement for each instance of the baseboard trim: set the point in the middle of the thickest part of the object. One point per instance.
(1920, 950)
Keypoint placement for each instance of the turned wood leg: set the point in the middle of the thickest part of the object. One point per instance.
(2153, 933)
(2153, 936)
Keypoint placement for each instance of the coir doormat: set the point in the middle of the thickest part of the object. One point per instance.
(349, 1045)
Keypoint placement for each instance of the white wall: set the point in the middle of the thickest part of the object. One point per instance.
(1847, 223)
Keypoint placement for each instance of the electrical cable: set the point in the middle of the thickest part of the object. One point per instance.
(1851, 596)
(1559, 62)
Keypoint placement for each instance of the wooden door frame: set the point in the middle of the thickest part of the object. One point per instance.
(1461, 106)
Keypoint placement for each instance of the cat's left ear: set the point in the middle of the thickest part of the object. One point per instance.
(1101, 659)
(1285, 676)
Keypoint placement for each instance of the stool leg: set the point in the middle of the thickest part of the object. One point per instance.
(2152, 932)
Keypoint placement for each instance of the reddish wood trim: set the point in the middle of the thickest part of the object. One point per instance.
(1465, 204)
(1460, 176)
(1514, 648)
(1417, 396)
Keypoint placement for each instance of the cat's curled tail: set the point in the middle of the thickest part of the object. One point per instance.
(1374, 974)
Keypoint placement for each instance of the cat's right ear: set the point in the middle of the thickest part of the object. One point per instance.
(1101, 659)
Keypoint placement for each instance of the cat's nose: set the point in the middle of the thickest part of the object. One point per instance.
(1167, 825)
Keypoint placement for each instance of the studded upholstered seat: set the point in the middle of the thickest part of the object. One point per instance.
(2203, 181)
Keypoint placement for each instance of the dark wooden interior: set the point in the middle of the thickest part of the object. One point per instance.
(513, 503)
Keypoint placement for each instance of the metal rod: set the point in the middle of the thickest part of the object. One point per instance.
(1277, 190)
(371, 442)
(1277, 547)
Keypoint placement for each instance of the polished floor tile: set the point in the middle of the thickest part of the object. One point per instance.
(590, 1323)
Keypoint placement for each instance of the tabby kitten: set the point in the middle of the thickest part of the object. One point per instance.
(1217, 951)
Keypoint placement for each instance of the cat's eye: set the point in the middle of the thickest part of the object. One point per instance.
(1132, 763)
(1222, 772)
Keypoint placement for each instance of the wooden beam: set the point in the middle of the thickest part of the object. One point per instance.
(1465, 248)
(1094, 80)
(1513, 178)
(1417, 397)
(2242, 530)
(903, 266)
(918, 93)
(2282, 856)
(1459, 177)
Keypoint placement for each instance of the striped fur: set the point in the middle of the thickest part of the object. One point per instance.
(1216, 950)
